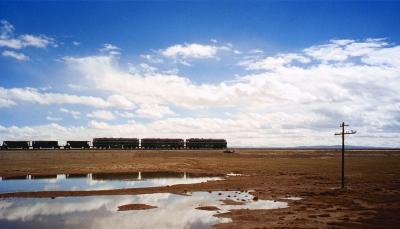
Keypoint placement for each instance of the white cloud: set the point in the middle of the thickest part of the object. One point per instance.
(387, 56)
(76, 43)
(11, 43)
(152, 58)
(151, 88)
(36, 41)
(27, 40)
(6, 29)
(33, 95)
(120, 102)
(101, 114)
(256, 51)
(77, 87)
(183, 53)
(237, 52)
(153, 111)
(15, 55)
(9, 40)
(142, 68)
(6, 102)
(255, 90)
(125, 114)
(271, 63)
(341, 50)
(338, 51)
(327, 52)
(147, 68)
(53, 119)
(111, 49)
(74, 114)
(190, 51)
(93, 124)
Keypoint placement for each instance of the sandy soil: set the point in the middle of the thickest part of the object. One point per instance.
(208, 208)
(371, 200)
(130, 207)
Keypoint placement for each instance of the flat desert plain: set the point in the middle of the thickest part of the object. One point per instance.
(371, 199)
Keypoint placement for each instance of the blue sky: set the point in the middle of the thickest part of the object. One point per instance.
(255, 72)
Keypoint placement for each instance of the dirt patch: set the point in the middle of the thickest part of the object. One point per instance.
(130, 207)
(208, 208)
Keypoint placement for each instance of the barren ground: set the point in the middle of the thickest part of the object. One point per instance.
(130, 207)
(371, 200)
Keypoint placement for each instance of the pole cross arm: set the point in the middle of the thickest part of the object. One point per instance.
(350, 132)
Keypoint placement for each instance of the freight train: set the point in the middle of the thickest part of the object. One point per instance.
(122, 143)
(162, 143)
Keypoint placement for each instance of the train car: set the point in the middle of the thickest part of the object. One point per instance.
(45, 145)
(77, 145)
(205, 143)
(162, 143)
(115, 143)
(15, 145)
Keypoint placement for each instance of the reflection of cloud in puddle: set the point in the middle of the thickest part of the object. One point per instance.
(61, 177)
(18, 210)
(92, 182)
(87, 183)
(233, 174)
(292, 198)
(4, 204)
(173, 211)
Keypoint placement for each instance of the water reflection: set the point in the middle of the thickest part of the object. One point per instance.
(173, 211)
(98, 181)
(15, 178)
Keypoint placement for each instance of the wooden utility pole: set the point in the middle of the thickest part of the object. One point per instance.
(343, 133)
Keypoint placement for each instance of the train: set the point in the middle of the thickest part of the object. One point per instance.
(115, 143)
(162, 143)
(121, 143)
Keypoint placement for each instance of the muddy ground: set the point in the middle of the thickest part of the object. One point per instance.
(371, 199)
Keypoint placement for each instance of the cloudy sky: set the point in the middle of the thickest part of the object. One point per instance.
(255, 73)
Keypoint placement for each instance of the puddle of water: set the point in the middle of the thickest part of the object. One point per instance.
(100, 181)
(173, 211)
(234, 174)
